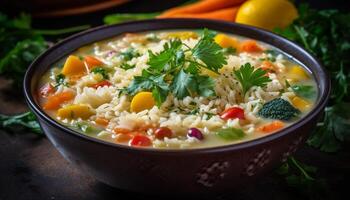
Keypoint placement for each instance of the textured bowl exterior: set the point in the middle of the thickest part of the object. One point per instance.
(206, 170)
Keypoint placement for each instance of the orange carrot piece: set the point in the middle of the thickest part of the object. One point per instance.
(122, 130)
(92, 62)
(250, 46)
(123, 138)
(101, 121)
(203, 6)
(53, 102)
(271, 127)
(227, 14)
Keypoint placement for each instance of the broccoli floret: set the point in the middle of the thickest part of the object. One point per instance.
(278, 109)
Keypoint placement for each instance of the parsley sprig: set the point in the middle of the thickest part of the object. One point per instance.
(249, 77)
(177, 67)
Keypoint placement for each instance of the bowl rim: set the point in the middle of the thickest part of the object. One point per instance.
(318, 107)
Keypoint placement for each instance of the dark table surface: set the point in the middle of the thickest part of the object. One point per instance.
(31, 168)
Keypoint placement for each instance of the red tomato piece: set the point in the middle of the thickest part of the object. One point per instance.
(101, 84)
(233, 113)
(140, 140)
(163, 132)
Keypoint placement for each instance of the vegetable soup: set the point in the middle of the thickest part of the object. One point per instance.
(177, 89)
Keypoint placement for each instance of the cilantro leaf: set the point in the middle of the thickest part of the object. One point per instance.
(167, 58)
(100, 70)
(209, 52)
(248, 77)
(150, 82)
(231, 133)
(183, 85)
(205, 86)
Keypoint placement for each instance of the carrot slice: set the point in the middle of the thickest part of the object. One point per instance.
(250, 46)
(203, 6)
(102, 121)
(92, 62)
(54, 102)
(122, 130)
(271, 127)
(227, 14)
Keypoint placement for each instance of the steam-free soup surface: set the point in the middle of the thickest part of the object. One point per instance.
(177, 89)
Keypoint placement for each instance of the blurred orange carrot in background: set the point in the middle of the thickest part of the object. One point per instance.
(226, 14)
(203, 6)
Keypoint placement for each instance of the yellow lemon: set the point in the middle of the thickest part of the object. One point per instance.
(267, 14)
(142, 101)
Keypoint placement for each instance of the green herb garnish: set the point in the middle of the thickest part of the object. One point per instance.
(60, 80)
(129, 54)
(179, 74)
(306, 91)
(231, 133)
(100, 70)
(248, 77)
(127, 66)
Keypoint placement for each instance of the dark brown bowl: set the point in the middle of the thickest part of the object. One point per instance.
(177, 171)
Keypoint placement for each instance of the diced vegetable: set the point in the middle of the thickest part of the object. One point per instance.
(226, 41)
(231, 133)
(233, 113)
(102, 84)
(250, 46)
(92, 62)
(46, 90)
(75, 111)
(123, 138)
(142, 101)
(140, 140)
(54, 102)
(271, 127)
(118, 130)
(301, 104)
(73, 66)
(278, 109)
(267, 66)
(194, 132)
(101, 121)
(163, 132)
(298, 73)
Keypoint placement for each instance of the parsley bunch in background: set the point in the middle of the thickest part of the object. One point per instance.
(325, 34)
(21, 44)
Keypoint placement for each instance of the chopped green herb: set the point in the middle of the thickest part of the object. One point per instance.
(230, 133)
(248, 77)
(100, 70)
(129, 54)
(229, 50)
(60, 80)
(127, 66)
(306, 91)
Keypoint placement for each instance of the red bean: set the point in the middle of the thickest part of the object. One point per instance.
(194, 132)
(163, 132)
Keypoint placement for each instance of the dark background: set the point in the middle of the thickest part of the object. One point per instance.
(30, 167)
